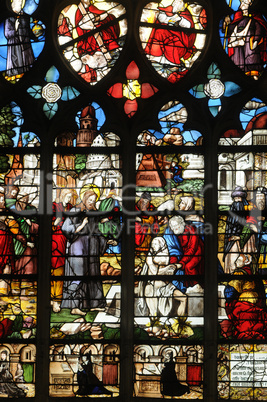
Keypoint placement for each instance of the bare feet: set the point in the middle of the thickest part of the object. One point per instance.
(77, 311)
(56, 307)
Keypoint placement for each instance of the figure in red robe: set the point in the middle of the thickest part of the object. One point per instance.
(94, 49)
(7, 227)
(192, 260)
(59, 242)
(245, 304)
(173, 46)
(146, 224)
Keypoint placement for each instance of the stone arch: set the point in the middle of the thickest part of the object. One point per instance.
(142, 352)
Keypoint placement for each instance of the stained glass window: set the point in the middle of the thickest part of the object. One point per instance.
(133, 200)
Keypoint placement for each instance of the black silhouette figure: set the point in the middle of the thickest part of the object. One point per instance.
(169, 384)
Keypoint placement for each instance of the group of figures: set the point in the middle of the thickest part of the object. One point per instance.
(19, 229)
(168, 246)
(93, 55)
(245, 255)
(18, 244)
(8, 386)
(92, 35)
(79, 239)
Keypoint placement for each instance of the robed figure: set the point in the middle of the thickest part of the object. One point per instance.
(18, 33)
(84, 247)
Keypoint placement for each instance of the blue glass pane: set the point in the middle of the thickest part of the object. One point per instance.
(69, 93)
(52, 74)
(231, 88)
(198, 91)
(30, 6)
(213, 71)
(35, 91)
(50, 109)
(214, 106)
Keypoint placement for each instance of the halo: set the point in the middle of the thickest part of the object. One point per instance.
(22, 4)
(90, 187)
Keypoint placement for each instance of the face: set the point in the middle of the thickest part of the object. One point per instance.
(240, 261)
(182, 205)
(14, 193)
(237, 199)
(2, 201)
(260, 201)
(3, 356)
(90, 202)
(177, 5)
(86, 3)
(17, 5)
(67, 198)
(176, 227)
(245, 4)
(143, 204)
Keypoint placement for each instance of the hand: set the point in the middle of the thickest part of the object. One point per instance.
(163, 220)
(104, 220)
(85, 221)
(254, 228)
(57, 221)
(234, 238)
(138, 219)
(87, 22)
(112, 242)
(169, 270)
(30, 244)
(82, 225)
(227, 20)
(254, 45)
(17, 24)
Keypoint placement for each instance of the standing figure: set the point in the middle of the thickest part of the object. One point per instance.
(246, 38)
(85, 246)
(24, 242)
(261, 204)
(234, 226)
(8, 227)
(94, 50)
(18, 32)
(59, 243)
(172, 47)
(111, 223)
(7, 384)
(146, 224)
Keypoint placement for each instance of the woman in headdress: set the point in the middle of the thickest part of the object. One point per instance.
(7, 384)
(170, 386)
(88, 382)
(59, 242)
